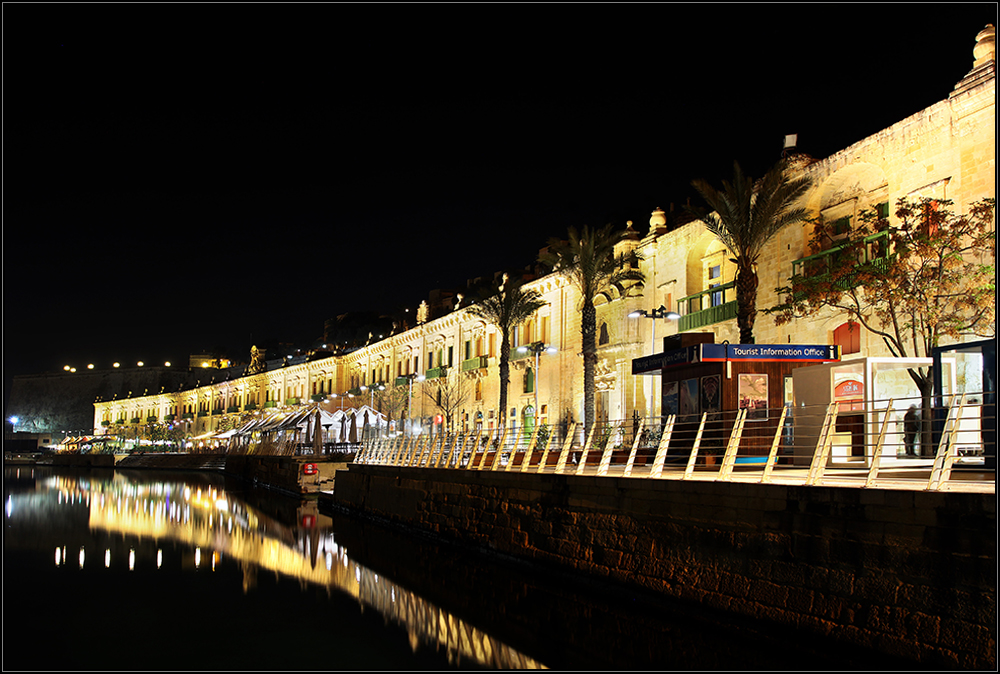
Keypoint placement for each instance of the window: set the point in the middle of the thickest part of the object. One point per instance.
(605, 338)
(715, 271)
(717, 295)
(529, 381)
(468, 350)
(451, 356)
(842, 225)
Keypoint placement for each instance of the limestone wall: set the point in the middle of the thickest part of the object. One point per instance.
(910, 574)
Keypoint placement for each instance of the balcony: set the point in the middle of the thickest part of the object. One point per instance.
(291, 401)
(707, 307)
(271, 403)
(151, 419)
(202, 414)
(475, 363)
(187, 415)
(233, 408)
(136, 420)
(217, 411)
(106, 423)
(436, 372)
(317, 397)
(169, 417)
(818, 266)
(250, 407)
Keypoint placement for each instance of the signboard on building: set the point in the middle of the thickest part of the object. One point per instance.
(709, 353)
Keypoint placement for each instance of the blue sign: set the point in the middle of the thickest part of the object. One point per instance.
(818, 353)
(714, 353)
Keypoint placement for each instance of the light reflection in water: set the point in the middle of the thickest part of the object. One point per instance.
(226, 526)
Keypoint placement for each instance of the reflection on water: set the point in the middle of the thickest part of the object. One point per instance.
(200, 524)
(141, 570)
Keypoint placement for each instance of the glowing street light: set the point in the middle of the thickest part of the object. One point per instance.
(659, 312)
(537, 348)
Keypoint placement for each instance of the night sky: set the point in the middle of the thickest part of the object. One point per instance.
(179, 177)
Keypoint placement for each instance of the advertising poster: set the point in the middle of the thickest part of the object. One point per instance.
(689, 397)
(711, 393)
(670, 398)
(753, 395)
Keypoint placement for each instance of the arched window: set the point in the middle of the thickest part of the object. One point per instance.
(529, 381)
(848, 337)
(605, 337)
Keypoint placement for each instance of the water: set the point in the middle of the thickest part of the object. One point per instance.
(142, 570)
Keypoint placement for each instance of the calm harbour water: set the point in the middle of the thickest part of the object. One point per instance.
(141, 570)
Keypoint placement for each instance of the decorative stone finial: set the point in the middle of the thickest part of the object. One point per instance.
(986, 45)
(657, 220)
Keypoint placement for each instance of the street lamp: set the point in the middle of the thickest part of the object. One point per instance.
(537, 348)
(659, 312)
(409, 401)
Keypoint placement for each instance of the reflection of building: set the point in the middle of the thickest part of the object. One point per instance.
(946, 151)
(145, 518)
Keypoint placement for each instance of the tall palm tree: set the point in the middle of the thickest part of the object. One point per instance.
(747, 215)
(588, 259)
(506, 308)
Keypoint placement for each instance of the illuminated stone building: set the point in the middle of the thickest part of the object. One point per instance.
(947, 150)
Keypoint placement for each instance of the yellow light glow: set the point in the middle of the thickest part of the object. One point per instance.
(90, 366)
(116, 365)
(204, 364)
(140, 363)
(66, 367)
(167, 364)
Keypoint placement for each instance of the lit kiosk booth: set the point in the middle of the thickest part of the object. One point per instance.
(864, 389)
(714, 383)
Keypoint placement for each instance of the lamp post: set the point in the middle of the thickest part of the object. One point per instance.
(659, 312)
(409, 400)
(537, 348)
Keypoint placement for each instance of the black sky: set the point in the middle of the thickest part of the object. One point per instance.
(184, 176)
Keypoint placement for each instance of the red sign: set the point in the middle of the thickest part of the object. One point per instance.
(849, 389)
(309, 468)
(308, 520)
(438, 419)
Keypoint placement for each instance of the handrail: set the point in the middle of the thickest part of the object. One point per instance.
(810, 446)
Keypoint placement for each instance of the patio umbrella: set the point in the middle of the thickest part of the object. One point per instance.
(317, 435)
(354, 428)
(308, 438)
(343, 428)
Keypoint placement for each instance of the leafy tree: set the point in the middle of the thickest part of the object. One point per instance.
(448, 393)
(588, 259)
(508, 306)
(929, 279)
(747, 215)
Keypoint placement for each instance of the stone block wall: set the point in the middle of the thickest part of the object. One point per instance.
(910, 574)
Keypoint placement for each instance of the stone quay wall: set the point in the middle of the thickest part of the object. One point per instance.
(911, 574)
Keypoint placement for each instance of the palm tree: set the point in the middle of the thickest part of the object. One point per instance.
(747, 216)
(588, 259)
(508, 307)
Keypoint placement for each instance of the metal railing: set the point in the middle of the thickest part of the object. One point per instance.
(855, 443)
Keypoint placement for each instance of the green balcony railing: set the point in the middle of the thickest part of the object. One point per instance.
(819, 265)
(187, 415)
(169, 417)
(291, 401)
(317, 397)
(106, 423)
(250, 407)
(202, 414)
(233, 408)
(707, 307)
(136, 420)
(475, 363)
(151, 419)
(436, 372)
(271, 403)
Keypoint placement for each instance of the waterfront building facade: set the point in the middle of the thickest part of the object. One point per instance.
(946, 151)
